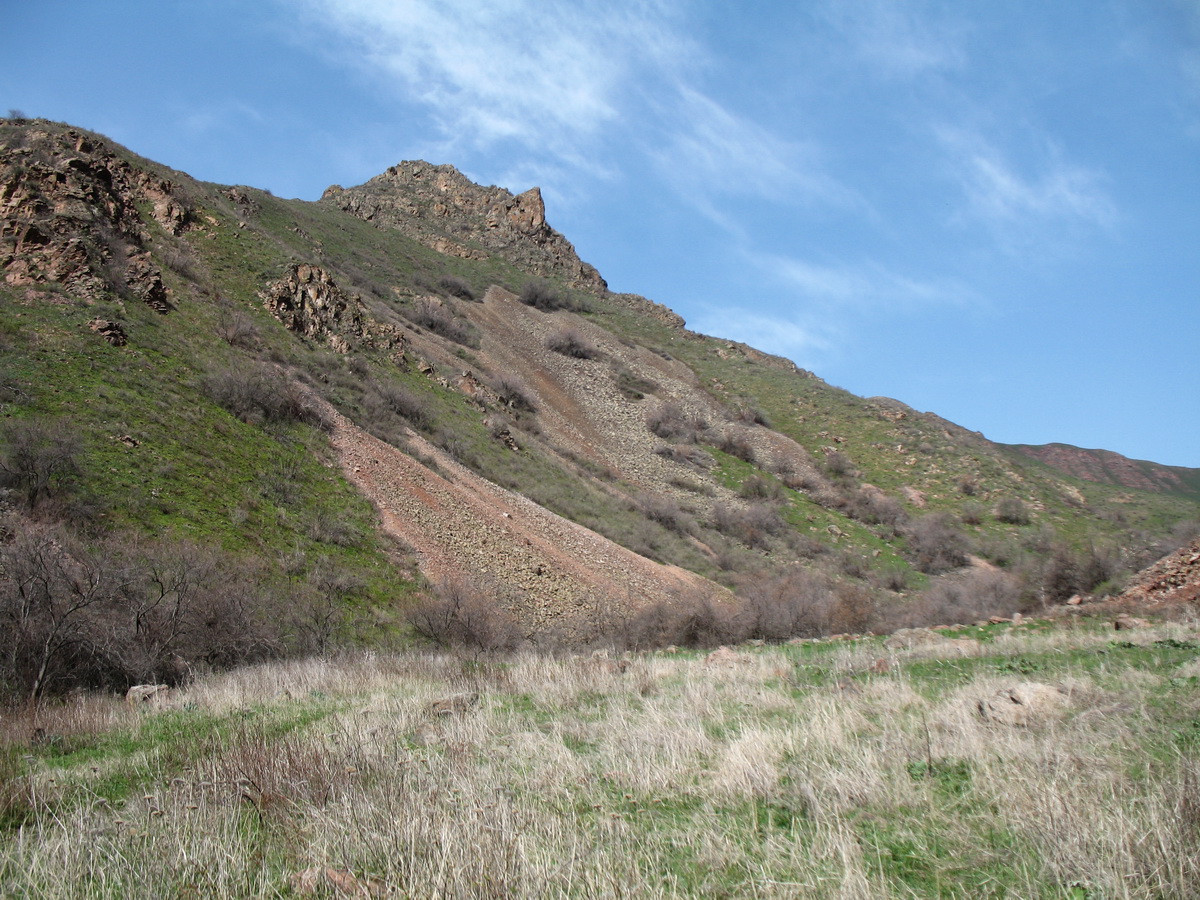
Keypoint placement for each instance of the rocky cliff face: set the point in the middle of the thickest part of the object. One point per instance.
(443, 209)
(69, 207)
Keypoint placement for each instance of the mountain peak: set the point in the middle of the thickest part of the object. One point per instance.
(446, 211)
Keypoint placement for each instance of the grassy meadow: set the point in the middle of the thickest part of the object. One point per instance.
(851, 769)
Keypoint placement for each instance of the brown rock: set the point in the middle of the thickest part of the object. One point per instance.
(1125, 622)
(110, 331)
(457, 704)
(724, 656)
(1023, 704)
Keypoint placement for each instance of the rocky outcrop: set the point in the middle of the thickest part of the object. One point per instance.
(443, 209)
(69, 217)
(308, 302)
(1173, 579)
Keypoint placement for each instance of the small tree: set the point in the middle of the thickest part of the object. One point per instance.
(38, 458)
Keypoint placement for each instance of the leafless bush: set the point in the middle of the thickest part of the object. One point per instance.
(541, 295)
(752, 525)
(237, 329)
(759, 487)
(666, 511)
(687, 454)
(456, 287)
(389, 397)
(262, 394)
(693, 623)
(971, 513)
(672, 423)
(119, 613)
(737, 443)
(962, 599)
(513, 393)
(749, 414)
(874, 507)
(936, 543)
(839, 466)
(460, 615)
(440, 319)
(631, 385)
(779, 607)
(571, 343)
(1012, 511)
(39, 459)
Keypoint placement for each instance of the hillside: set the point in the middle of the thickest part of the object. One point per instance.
(1106, 467)
(414, 392)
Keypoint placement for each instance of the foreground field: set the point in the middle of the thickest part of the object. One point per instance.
(875, 768)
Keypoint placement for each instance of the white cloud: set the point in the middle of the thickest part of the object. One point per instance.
(784, 335)
(543, 75)
(574, 88)
(867, 285)
(1017, 206)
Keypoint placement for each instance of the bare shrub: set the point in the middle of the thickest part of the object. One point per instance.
(687, 454)
(631, 385)
(1012, 511)
(874, 507)
(237, 329)
(513, 393)
(737, 443)
(692, 623)
(440, 319)
(776, 608)
(966, 598)
(971, 513)
(672, 422)
(541, 295)
(392, 398)
(839, 466)
(460, 615)
(456, 287)
(119, 613)
(262, 394)
(759, 487)
(936, 543)
(39, 459)
(749, 414)
(752, 525)
(664, 510)
(571, 343)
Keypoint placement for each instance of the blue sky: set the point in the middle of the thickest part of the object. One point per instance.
(990, 211)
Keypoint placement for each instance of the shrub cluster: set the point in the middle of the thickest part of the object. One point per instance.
(263, 394)
(460, 613)
(441, 320)
(456, 287)
(119, 613)
(571, 343)
(541, 295)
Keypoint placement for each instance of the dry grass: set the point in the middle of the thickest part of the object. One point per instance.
(824, 769)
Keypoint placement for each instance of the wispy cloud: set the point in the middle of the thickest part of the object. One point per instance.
(573, 87)
(793, 336)
(1016, 205)
(817, 304)
(540, 75)
(866, 285)
(894, 38)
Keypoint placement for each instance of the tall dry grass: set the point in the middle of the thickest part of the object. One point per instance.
(852, 770)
